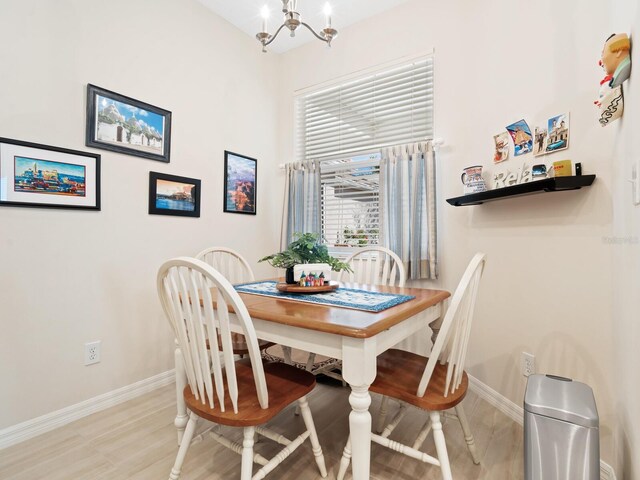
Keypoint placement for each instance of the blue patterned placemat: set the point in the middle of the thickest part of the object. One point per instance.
(342, 297)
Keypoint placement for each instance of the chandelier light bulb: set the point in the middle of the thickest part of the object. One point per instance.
(327, 13)
(265, 16)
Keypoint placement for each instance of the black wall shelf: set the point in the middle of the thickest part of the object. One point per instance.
(538, 186)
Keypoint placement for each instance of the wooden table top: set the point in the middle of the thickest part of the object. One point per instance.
(340, 320)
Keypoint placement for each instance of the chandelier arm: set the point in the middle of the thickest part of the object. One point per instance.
(274, 35)
(319, 37)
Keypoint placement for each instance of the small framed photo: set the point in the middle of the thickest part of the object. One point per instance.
(558, 133)
(173, 195)
(124, 125)
(34, 175)
(240, 175)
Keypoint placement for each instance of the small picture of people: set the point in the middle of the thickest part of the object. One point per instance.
(522, 138)
(502, 147)
(558, 136)
(540, 141)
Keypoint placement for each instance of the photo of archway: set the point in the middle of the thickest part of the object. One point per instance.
(558, 136)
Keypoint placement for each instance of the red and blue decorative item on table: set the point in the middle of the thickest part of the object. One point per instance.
(312, 274)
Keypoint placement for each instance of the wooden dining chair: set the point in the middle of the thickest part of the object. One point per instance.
(433, 384)
(236, 269)
(374, 265)
(246, 393)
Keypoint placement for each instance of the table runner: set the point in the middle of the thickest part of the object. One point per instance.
(342, 297)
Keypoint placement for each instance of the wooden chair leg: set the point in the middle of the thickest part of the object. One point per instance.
(182, 417)
(441, 446)
(382, 414)
(313, 436)
(424, 431)
(184, 446)
(468, 436)
(247, 454)
(346, 459)
(286, 353)
(311, 359)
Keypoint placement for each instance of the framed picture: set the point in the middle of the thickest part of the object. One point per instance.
(173, 195)
(125, 125)
(34, 175)
(240, 174)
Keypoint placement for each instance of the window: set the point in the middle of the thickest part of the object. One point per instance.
(349, 205)
(345, 126)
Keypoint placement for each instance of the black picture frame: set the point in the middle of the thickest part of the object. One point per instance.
(169, 200)
(240, 183)
(44, 176)
(112, 125)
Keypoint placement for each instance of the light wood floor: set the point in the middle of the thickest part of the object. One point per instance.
(137, 440)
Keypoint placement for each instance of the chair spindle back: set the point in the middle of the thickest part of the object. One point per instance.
(375, 266)
(229, 263)
(451, 345)
(185, 289)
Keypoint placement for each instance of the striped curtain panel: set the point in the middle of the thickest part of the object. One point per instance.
(301, 206)
(408, 207)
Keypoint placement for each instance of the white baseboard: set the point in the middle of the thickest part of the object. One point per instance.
(50, 421)
(516, 413)
(502, 403)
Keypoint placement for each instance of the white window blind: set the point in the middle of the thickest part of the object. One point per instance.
(345, 126)
(350, 201)
(387, 108)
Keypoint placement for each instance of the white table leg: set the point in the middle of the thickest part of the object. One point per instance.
(360, 429)
(359, 370)
(181, 381)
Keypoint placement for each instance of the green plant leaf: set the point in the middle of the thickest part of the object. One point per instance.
(306, 248)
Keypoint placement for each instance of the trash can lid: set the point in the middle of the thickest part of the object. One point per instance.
(561, 398)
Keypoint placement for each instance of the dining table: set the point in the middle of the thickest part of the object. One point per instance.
(354, 336)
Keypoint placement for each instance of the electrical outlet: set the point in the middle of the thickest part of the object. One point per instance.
(527, 364)
(92, 352)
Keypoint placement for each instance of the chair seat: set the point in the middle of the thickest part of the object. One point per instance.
(286, 384)
(399, 374)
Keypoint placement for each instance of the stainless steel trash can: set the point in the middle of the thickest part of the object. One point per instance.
(561, 430)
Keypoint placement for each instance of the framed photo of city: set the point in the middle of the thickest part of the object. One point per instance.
(122, 124)
(173, 195)
(240, 174)
(34, 175)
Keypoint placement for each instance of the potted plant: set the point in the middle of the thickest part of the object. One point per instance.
(306, 248)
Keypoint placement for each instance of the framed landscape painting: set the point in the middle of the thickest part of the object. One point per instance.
(240, 174)
(173, 195)
(122, 124)
(35, 175)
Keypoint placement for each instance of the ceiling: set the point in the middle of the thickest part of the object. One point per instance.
(245, 14)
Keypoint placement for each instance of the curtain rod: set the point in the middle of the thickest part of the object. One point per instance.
(436, 142)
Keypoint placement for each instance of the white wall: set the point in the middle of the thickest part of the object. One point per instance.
(547, 287)
(626, 257)
(69, 277)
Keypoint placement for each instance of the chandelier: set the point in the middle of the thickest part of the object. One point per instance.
(292, 20)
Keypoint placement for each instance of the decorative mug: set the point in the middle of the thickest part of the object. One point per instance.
(471, 175)
(472, 180)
